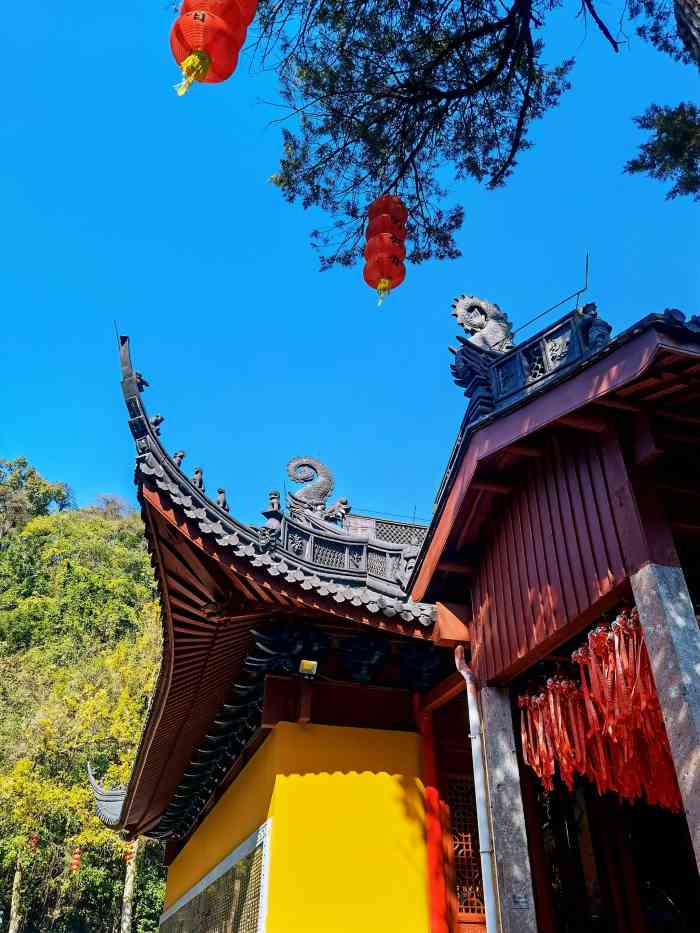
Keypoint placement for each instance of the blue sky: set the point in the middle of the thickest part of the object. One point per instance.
(122, 202)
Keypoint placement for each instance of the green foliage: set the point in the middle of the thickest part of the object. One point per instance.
(24, 494)
(79, 646)
(73, 580)
(672, 152)
(401, 96)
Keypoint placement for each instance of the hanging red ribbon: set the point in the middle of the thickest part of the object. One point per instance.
(608, 726)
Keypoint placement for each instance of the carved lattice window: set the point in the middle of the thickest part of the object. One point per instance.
(376, 563)
(396, 533)
(465, 841)
(329, 554)
(534, 361)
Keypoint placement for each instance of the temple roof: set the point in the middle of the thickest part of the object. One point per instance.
(318, 547)
(108, 802)
(514, 392)
(236, 601)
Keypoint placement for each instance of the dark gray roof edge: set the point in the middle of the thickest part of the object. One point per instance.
(358, 587)
(109, 803)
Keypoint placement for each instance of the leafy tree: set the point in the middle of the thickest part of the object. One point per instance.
(73, 579)
(672, 152)
(24, 494)
(397, 95)
(79, 646)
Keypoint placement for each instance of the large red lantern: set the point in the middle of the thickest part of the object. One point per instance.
(385, 250)
(206, 39)
(74, 865)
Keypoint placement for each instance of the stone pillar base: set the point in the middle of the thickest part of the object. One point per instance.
(673, 641)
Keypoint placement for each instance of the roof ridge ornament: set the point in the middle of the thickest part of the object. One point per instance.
(489, 327)
(319, 484)
(494, 373)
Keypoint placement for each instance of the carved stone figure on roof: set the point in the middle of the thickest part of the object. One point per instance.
(488, 326)
(409, 556)
(337, 512)
(318, 481)
(596, 331)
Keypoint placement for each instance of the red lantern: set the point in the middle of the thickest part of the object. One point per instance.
(384, 273)
(206, 47)
(385, 223)
(385, 244)
(74, 865)
(33, 842)
(389, 204)
(129, 853)
(385, 250)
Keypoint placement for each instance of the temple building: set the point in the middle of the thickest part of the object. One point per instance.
(488, 724)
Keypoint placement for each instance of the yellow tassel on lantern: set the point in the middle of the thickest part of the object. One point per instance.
(194, 68)
(383, 289)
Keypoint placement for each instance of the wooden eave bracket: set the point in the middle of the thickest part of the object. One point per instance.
(451, 624)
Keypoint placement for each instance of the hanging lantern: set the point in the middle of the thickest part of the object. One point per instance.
(385, 250)
(129, 852)
(384, 273)
(206, 47)
(385, 223)
(74, 865)
(33, 843)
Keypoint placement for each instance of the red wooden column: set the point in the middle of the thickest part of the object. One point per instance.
(434, 829)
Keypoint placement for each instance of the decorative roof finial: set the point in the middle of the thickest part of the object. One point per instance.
(318, 479)
(198, 479)
(221, 499)
(141, 383)
(337, 512)
(178, 457)
(156, 422)
(596, 332)
(488, 327)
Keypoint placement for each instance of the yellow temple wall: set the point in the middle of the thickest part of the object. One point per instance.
(240, 811)
(347, 846)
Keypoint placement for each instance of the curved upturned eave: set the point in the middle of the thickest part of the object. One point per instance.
(123, 809)
(109, 803)
(244, 542)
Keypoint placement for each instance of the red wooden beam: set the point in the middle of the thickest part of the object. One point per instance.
(584, 422)
(451, 624)
(645, 448)
(434, 841)
(492, 485)
(453, 566)
(443, 692)
(612, 402)
(526, 450)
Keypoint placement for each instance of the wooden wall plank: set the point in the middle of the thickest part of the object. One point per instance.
(549, 552)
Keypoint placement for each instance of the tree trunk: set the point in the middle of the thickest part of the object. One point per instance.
(688, 21)
(128, 901)
(16, 900)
